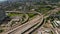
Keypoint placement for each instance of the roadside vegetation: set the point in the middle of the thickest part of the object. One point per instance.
(1, 30)
(58, 12)
(31, 15)
(14, 14)
(43, 9)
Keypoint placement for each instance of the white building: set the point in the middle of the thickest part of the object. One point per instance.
(57, 23)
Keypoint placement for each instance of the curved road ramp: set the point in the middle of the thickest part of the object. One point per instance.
(27, 27)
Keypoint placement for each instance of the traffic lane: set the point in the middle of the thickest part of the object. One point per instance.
(30, 22)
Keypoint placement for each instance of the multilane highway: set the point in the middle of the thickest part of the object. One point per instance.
(25, 26)
(48, 14)
(30, 23)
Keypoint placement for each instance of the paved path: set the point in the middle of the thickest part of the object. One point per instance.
(18, 12)
(34, 27)
(24, 26)
(49, 13)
